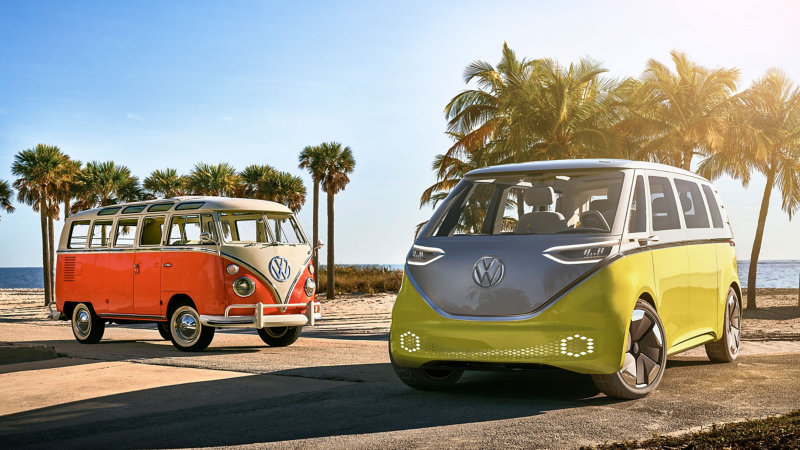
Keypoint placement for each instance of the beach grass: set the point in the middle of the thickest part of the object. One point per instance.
(361, 279)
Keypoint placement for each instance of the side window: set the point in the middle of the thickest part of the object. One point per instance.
(126, 233)
(694, 208)
(78, 234)
(185, 230)
(716, 217)
(152, 229)
(251, 230)
(208, 226)
(662, 204)
(637, 221)
(101, 233)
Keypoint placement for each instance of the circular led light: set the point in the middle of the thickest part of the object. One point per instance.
(232, 269)
(310, 287)
(244, 287)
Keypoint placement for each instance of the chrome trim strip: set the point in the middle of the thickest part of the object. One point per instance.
(132, 316)
(296, 279)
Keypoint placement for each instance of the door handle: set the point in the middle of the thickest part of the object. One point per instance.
(136, 269)
(647, 240)
(167, 265)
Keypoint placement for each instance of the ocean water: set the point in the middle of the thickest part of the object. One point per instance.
(771, 274)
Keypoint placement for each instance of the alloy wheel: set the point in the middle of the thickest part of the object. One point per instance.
(734, 323)
(185, 326)
(83, 321)
(644, 351)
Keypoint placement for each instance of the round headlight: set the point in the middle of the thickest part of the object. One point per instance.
(244, 287)
(232, 269)
(310, 286)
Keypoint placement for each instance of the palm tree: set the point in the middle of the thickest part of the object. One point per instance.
(68, 185)
(337, 163)
(311, 159)
(165, 182)
(252, 176)
(39, 170)
(283, 188)
(106, 183)
(6, 192)
(675, 116)
(766, 138)
(208, 179)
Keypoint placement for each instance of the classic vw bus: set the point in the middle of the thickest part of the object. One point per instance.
(595, 266)
(190, 265)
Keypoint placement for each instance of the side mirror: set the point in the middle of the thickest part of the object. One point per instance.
(205, 238)
(320, 244)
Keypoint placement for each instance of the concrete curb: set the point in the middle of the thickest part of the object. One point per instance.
(12, 353)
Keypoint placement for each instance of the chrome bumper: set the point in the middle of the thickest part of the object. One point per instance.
(261, 320)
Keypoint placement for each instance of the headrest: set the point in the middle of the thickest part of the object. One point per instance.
(539, 196)
(612, 194)
(659, 205)
(566, 206)
(686, 202)
(601, 205)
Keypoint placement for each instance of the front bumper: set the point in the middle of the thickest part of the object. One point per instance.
(261, 320)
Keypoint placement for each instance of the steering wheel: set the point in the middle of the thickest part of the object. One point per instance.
(593, 219)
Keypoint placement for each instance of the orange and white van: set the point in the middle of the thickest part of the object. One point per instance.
(190, 265)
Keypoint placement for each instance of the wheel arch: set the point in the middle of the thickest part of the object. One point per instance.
(176, 300)
(738, 289)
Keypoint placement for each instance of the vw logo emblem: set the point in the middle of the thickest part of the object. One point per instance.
(279, 268)
(488, 271)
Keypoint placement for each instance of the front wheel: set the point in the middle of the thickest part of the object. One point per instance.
(87, 326)
(280, 336)
(187, 333)
(726, 349)
(425, 379)
(645, 357)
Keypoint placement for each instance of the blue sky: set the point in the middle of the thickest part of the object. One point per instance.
(169, 84)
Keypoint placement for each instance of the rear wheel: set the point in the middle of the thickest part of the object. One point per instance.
(645, 357)
(163, 330)
(280, 336)
(726, 349)
(87, 326)
(425, 379)
(187, 333)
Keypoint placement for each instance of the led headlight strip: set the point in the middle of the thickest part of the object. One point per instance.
(590, 253)
(420, 256)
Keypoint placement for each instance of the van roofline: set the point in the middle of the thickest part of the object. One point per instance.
(210, 203)
(578, 164)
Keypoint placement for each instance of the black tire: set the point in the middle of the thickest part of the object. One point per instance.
(280, 336)
(645, 357)
(425, 379)
(163, 330)
(187, 332)
(87, 327)
(726, 349)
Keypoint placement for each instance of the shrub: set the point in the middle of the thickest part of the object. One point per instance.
(367, 279)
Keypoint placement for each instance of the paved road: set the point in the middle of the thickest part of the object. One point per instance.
(331, 392)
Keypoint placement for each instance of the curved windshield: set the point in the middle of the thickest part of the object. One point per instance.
(552, 203)
(259, 227)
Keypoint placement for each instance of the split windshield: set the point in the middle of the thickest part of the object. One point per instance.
(559, 203)
(259, 227)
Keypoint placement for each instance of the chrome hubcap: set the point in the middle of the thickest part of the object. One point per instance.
(734, 324)
(82, 322)
(644, 351)
(186, 327)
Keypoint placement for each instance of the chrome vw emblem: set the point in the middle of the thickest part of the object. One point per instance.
(488, 271)
(279, 268)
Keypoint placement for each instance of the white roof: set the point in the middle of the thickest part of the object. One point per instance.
(209, 203)
(577, 164)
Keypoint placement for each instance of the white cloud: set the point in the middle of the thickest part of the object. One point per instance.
(134, 116)
(226, 118)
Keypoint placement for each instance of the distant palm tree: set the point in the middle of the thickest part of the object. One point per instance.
(311, 159)
(166, 182)
(284, 188)
(69, 184)
(39, 170)
(337, 163)
(251, 179)
(218, 180)
(106, 183)
(6, 192)
(765, 138)
(675, 116)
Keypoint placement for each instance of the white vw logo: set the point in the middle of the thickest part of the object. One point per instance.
(488, 271)
(280, 269)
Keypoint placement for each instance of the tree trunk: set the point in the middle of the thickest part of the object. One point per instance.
(762, 220)
(686, 164)
(316, 231)
(330, 265)
(45, 254)
(66, 208)
(51, 243)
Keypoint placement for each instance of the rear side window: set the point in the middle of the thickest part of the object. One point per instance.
(186, 230)
(638, 214)
(126, 233)
(109, 211)
(133, 209)
(186, 206)
(160, 207)
(662, 204)
(152, 229)
(694, 208)
(101, 233)
(716, 217)
(78, 234)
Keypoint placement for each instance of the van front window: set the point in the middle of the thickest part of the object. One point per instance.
(259, 227)
(552, 203)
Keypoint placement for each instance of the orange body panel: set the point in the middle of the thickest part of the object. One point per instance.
(196, 274)
(147, 284)
(119, 281)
